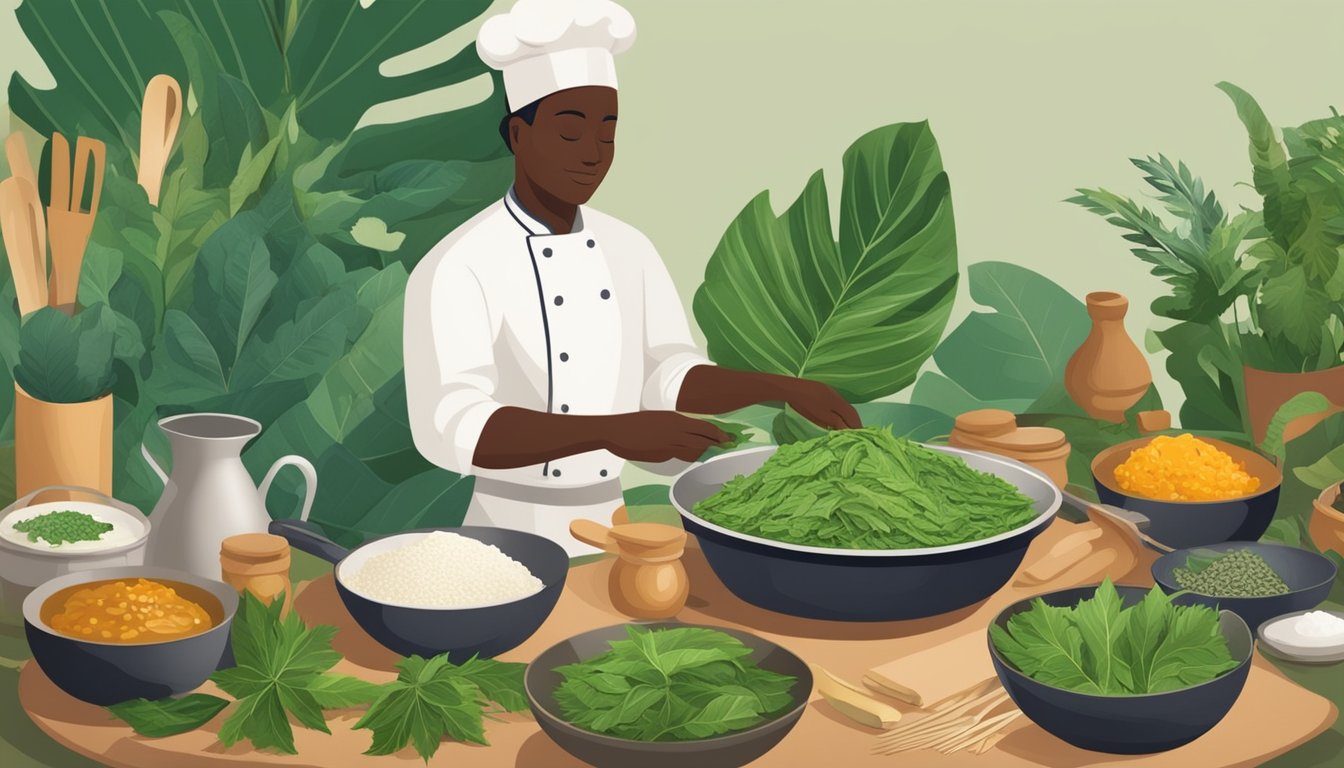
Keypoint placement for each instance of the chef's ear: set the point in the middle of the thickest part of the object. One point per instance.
(510, 131)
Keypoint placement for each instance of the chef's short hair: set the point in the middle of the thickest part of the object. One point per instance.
(527, 114)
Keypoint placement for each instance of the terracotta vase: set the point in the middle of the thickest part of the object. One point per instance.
(1108, 374)
(62, 444)
(1267, 391)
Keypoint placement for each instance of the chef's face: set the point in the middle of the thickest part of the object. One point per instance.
(568, 148)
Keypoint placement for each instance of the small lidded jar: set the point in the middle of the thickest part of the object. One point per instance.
(259, 563)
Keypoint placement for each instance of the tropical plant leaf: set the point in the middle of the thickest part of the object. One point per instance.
(782, 296)
(1299, 405)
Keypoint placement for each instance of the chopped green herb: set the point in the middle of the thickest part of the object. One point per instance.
(432, 698)
(1101, 648)
(867, 489)
(671, 685)
(169, 717)
(64, 526)
(1239, 573)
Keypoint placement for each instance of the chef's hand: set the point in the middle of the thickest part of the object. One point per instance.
(656, 436)
(820, 404)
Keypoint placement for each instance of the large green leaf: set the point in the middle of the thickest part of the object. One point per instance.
(782, 296)
(1010, 357)
(1205, 360)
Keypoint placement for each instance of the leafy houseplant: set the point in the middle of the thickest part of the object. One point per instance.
(268, 281)
(1296, 342)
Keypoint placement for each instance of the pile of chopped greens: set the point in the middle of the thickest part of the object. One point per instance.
(62, 527)
(282, 673)
(867, 489)
(1100, 647)
(671, 685)
(1239, 573)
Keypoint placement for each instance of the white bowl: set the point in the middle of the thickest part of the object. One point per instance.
(24, 566)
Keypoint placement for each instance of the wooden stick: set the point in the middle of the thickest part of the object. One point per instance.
(932, 736)
(979, 689)
(989, 742)
(978, 732)
(990, 700)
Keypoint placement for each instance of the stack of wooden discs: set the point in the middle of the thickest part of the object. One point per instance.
(996, 431)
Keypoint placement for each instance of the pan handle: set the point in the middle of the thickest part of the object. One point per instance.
(305, 537)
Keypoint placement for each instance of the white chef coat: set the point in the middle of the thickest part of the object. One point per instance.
(502, 312)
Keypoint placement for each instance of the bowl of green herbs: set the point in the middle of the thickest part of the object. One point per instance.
(860, 525)
(667, 695)
(1123, 670)
(1255, 580)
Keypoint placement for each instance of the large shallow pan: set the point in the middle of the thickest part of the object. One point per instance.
(860, 584)
(460, 632)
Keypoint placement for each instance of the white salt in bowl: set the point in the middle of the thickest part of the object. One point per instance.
(1277, 636)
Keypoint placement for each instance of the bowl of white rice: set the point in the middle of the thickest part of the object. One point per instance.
(467, 591)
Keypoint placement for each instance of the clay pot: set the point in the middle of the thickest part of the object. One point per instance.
(62, 444)
(1267, 391)
(1109, 373)
(1327, 523)
(647, 580)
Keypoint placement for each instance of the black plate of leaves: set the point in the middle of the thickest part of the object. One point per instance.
(695, 721)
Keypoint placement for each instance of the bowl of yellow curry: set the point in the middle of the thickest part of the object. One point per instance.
(114, 634)
(1195, 491)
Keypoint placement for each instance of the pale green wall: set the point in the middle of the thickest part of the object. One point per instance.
(1028, 99)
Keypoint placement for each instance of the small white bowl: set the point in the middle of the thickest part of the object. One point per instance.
(24, 566)
(1305, 654)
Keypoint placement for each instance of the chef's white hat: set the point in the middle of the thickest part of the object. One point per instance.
(544, 46)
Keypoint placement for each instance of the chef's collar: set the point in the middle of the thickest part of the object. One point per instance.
(531, 223)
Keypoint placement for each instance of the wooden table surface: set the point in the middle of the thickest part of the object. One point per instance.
(1272, 716)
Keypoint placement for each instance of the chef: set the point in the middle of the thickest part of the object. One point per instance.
(545, 343)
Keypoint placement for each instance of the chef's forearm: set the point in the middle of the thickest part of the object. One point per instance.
(518, 437)
(711, 389)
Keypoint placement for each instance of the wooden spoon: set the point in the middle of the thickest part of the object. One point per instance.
(159, 120)
(68, 225)
(25, 236)
(16, 151)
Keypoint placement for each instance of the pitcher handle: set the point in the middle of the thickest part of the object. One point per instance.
(154, 465)
(305, 468)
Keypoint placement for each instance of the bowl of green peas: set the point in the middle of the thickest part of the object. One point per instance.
(1256, 580)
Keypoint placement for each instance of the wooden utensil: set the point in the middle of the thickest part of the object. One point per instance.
(25, 235)
(159, 120)
(68, 224)
(16, 151)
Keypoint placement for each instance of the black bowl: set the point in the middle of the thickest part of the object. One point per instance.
(860, 585)
(107, 673)
(727, 751)
(1183, 524)
(1126, 725)
(484, 631)
(1309, 577)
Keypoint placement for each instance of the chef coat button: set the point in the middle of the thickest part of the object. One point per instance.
(592, 244)
(559, 300)
(555, 473)
(564, 409)
(547, 252)
(606, 294)
(564, 357)
(603, 473)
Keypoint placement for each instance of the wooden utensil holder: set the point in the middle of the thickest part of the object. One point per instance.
(62, 444)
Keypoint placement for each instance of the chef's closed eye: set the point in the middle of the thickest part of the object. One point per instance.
(607, 134)
(570, 123)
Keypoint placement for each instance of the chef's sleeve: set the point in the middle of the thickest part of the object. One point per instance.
(669, 351)
(451, 376)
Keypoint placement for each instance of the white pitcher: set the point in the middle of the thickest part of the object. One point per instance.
(210, 495)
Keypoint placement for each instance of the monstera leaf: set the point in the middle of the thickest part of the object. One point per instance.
(781, 295)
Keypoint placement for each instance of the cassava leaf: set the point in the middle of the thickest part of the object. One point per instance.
(781, 295)
(169, 717)
(1301, 404)
(65, 359)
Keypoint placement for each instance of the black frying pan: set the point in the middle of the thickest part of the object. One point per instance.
(486, 631)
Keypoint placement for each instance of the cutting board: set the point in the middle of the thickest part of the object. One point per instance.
(1272, 716)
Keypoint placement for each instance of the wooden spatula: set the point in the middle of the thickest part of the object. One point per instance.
(16, 151)
(159, 119)
(68, 223)
(25, 236)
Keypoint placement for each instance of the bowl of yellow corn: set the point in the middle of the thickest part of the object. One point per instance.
(1195, 490)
